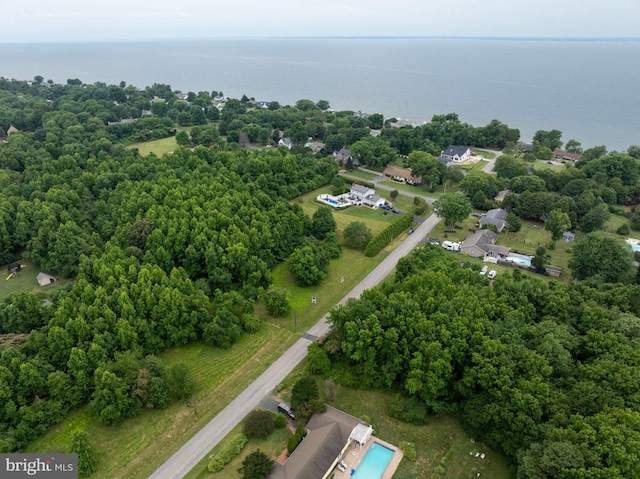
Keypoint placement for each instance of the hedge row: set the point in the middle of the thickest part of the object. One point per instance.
(387, 235)
(226, 455)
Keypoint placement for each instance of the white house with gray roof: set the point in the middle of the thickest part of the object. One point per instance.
(455, 154)
(366, 196)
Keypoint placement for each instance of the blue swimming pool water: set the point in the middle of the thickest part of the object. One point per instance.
(635, 248)
(330, 201)
(374, 463)
(525, 260)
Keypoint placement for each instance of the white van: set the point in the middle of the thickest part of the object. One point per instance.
(451, 246)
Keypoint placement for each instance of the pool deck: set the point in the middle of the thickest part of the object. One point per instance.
(353, 458)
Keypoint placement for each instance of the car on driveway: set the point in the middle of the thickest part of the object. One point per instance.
(434, 241)
(477, 215)
(287, 410)
(492, 274)
(483, 271)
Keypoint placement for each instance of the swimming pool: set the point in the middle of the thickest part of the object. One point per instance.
(520, 259)
(375, 462)
(330, 201)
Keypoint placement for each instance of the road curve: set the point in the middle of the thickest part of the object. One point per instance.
(186, 458)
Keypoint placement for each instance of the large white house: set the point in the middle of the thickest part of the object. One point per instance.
(455, 154)
(366, 196)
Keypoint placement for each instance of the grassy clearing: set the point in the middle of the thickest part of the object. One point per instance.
(487, 155)
(441, 437)
(135, 448)
(543, 165)
(158, 147)
(363, 175)
(26, 282)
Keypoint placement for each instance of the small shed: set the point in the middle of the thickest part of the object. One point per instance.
(361, 434)
(568, 236)
(553, 270)
(45, 279)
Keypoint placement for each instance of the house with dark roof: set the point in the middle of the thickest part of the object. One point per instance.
(403, 175)
(481, 244)
(495, 217)
(342, 155)
(455, 154)
(328, 436)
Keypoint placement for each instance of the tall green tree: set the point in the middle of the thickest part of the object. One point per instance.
(557, 222)
(357, 235)
(453, 207)
(323, 222)
(595, 255)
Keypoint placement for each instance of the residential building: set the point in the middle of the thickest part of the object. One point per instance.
(566, 155)
(568, 236)
(401, 174)
(366, 196)
(483, 243)
(495, 217)
(456, 154)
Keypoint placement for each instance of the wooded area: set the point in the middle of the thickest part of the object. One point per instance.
(545, 372)
(172, 249)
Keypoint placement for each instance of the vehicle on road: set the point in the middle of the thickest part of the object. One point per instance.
(492, 274)
(410, 231)
(483, 271)
(287, 410)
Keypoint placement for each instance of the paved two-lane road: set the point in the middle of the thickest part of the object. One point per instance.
(178, 465)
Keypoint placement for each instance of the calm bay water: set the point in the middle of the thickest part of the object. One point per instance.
(586, 89)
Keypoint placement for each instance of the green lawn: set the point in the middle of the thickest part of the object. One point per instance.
(442, 436)
(363, 175)
(138, 446)
(159, 147)
(487, 155)
(26, 282)
(543, 165)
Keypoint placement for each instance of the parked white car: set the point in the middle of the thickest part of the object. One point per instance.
(492, 274)
(483, 271)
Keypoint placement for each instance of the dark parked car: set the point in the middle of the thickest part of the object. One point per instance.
(287, 410)
(385, 207)
(434, 241)
(477, 215)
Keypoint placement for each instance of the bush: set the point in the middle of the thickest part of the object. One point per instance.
(296, 438)
(259, 424)
(623, 230)
(409, 450)
(318, 360)
(280, 421)
(387, 235)
(228, 453)
(365, 419)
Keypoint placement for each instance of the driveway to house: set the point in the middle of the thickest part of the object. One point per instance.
(377, 181)
(186, 458)
(488, 168)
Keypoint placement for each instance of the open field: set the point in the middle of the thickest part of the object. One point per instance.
(135, 448)
(158, 147)
(363, 175)
(26, 282)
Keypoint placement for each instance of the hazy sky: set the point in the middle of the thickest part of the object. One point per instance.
(83, 20)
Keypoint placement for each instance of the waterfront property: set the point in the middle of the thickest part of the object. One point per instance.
(455, 154)
(402, 175)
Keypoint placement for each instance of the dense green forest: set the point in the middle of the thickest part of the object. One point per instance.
(167, 250)
(545, 372)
